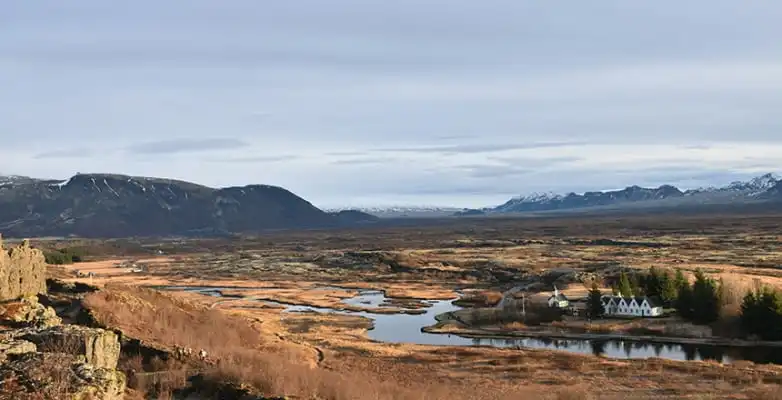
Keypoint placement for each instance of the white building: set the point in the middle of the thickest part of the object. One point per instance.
(632, 306)
(558, 300)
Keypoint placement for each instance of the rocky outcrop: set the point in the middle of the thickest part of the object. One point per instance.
(58, 362)
(59, 376)
(29, 312)
(12, 347)
(40, 358)
(98, 347)
(22, 272)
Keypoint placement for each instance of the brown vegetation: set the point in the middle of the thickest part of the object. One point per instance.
(535, 314)
(238, 352)
(330, 356)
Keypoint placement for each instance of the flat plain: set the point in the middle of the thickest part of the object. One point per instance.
(165, 292)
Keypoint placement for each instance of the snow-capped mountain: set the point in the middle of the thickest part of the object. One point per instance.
(758, 188)
(538, 197)
(755, 186)
(16, 179)
(546, 202)
(400, 211)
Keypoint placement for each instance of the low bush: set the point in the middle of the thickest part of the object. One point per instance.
(534, 315)
(483, 299)
(67, 255)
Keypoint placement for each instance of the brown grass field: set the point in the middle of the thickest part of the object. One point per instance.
(329, 356)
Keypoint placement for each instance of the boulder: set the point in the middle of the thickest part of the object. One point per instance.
(22, 272)
(60, 376)
(29, 312)
(99, 347)
(12, 347)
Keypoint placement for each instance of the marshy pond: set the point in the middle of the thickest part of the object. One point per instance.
(406, 328)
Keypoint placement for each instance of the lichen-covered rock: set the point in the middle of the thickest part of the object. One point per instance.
(22, 272)
(101, 383)
(28, 311)
(60, 376)
(100, 348)
(11, 347)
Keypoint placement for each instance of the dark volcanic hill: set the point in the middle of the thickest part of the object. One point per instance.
(104, 205)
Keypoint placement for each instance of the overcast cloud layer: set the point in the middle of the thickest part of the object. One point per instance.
(364, 102)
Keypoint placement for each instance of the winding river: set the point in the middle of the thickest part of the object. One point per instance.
(406, 328)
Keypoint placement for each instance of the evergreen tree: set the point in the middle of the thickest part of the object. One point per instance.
(669, 290)
(653, 282)
(751, 312)
(636, 285)
(761, 313)
(684, 300)
(680, 280)
(706, 304)
(595, 302)
(625, 288)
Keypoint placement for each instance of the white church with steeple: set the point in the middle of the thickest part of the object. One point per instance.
(557, 299)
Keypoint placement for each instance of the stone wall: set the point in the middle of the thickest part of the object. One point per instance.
(22, 272)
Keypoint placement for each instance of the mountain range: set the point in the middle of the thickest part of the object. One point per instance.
(763, 188)
(110, 205)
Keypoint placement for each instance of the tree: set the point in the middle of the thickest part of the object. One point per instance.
(680, 280)
(761, 313)
(625, 289)
(684, 299)
(636, 285)
(706, 303)
(652, 283)
(751, 312)
(669, 289)
(595, 302)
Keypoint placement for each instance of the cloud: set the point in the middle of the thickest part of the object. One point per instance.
(440, 102)
(498, 171)
(173, 146)
(478, 148)
(258, 159)
(346, 153)
(541, 161)
(78, 152)
(366, 161)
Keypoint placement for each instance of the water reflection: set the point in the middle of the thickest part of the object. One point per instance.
(638, 350)
(404, 328)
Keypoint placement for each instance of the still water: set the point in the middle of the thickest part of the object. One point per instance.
(406, 328)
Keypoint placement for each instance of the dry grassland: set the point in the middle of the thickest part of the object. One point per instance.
(329, 356)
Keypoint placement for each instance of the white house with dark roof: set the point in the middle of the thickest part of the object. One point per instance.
(558, 300)
(632, 306)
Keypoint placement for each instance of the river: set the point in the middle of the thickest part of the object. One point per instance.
(406, 328)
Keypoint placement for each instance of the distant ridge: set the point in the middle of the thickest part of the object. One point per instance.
(403, 211)
(113, 205)
(767, 187)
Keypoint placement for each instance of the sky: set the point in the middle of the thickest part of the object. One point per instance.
(406, 102)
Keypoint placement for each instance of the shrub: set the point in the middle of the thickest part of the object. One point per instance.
(67, 255)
